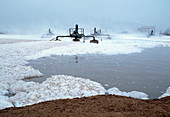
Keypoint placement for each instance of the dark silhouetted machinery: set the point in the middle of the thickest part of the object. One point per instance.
(78, 33)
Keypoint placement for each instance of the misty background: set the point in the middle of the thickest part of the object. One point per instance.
(36, 16)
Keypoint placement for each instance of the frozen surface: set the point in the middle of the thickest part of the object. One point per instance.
(14, 56)
(134, 94)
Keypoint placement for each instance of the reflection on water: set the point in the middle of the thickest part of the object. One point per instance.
(148, 71)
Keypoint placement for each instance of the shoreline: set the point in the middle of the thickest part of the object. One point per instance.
(110, 105)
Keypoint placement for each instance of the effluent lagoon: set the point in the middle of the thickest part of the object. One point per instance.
(148, 71)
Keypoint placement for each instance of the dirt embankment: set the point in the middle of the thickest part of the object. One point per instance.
(96, 106)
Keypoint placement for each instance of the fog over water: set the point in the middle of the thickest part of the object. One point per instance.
(35, 16)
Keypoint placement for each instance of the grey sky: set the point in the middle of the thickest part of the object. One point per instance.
(61, 14)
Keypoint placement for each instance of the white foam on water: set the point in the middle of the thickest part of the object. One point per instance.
(167, 93)
(14, 56)
(133, 94)
(56, 87)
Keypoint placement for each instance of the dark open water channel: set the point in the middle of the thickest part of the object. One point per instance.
(148, 71)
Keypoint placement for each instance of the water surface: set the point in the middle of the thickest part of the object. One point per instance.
(148, 71)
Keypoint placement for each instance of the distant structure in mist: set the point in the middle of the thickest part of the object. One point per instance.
(147, 29)
(48, 35)
(166, 32)
(2, 33)
(99, 33)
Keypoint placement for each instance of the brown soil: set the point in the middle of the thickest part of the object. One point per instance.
(96, 106)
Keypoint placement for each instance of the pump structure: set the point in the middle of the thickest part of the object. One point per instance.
(78, 33)
(99, 33)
